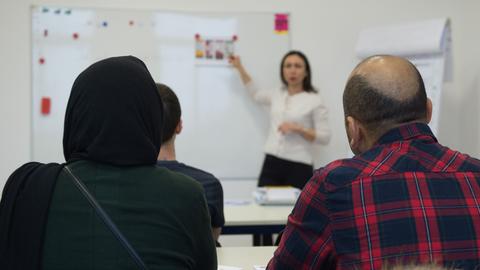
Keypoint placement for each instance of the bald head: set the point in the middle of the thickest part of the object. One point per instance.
(392, 76)
(384, 91)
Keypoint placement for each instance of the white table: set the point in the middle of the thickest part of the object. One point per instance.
(255, 219)
(244, 257)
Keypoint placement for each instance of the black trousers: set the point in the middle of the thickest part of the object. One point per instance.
(281, 172)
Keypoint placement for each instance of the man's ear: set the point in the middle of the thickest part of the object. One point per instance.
(179, 127)
(355, 134)
(429, 110)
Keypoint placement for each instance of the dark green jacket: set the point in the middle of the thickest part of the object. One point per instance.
(163, 215)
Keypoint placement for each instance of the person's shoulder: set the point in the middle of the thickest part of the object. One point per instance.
(31, 175)
(465, 162)
(197, 171)
(315, 93)
(30, 167)
(169, 164)
(38, 165)
(458, 161)
(172, 179)
(183, 168)
(208, 181)
(314, 98)
(472, 162)
(340, 172)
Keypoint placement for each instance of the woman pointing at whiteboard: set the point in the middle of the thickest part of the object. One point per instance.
(298, 120)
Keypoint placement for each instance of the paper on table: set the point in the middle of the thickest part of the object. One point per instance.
(276, 195)
(236, 202)
(259, 267)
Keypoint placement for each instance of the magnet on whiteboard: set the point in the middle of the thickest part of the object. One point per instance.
(41, 61)
(45, 106)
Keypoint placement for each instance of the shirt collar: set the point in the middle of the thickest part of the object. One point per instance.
(408, 132)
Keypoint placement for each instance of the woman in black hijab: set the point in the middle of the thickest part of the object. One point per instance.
(111, 142)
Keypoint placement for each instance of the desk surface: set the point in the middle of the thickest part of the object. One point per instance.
(244, 257)
(254, 214)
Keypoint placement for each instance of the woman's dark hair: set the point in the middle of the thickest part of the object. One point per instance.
(307, 82)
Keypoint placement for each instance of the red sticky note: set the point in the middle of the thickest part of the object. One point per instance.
(45, 105)
(281, 23)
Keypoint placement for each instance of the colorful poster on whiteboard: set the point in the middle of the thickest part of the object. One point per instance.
(214, 50)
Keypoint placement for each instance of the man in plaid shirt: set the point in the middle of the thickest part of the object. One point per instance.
(403, 197)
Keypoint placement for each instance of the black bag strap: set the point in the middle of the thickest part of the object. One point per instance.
(106, 219)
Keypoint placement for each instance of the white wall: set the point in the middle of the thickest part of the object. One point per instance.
(325, 30)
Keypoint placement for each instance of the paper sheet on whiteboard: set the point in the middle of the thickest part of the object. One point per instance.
(431, 69)
(427, 44)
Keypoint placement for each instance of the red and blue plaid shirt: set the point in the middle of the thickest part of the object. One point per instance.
(406, 200)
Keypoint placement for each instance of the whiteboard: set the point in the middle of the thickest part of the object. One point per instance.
(224, 130)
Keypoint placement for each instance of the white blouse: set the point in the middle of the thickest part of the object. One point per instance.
(306, 109)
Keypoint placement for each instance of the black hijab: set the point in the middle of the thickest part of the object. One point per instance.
(113, 116)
